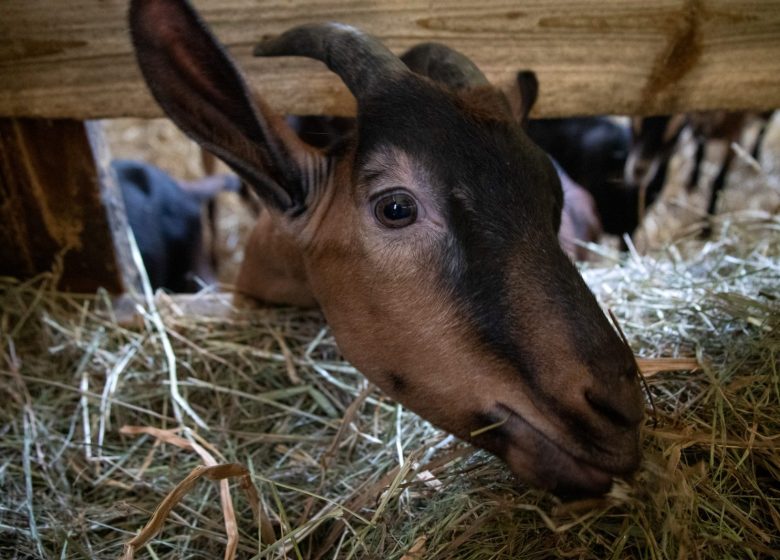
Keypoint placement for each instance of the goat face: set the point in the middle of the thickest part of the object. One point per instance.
(428, 239)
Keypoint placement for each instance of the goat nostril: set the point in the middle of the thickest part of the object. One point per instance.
(608, 410)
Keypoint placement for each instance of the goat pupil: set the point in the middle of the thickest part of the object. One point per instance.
(398, 210)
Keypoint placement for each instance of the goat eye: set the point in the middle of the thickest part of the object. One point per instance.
(396, 210)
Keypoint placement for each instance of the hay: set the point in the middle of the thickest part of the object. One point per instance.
(343, 472)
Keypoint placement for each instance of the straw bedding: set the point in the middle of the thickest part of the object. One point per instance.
(107, 407)
(343, 472)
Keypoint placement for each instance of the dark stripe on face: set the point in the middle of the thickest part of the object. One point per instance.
(506, 209)
(502, 203)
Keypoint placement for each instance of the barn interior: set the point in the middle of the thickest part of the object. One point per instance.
(147, 423)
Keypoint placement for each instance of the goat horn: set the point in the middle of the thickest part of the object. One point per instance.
(445, 65)
(361, 60)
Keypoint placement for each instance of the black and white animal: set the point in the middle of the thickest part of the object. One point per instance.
(655, 139)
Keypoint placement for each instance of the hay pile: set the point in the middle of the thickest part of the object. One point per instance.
(343, 472)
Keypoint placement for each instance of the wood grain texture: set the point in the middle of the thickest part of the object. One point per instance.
(73, 59)
(58, 200)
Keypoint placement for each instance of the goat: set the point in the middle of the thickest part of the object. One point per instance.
(166, 218)
(580, 221)
(654, 140)
(322, 132)
(427, 238)
(591, 152)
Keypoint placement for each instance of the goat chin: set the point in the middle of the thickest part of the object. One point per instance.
(538, 460)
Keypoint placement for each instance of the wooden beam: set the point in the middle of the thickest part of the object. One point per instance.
(73, 59)
(59, 201)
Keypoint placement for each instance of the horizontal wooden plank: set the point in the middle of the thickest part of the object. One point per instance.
(73, 59)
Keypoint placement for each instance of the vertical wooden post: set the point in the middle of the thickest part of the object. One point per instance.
(59, 199)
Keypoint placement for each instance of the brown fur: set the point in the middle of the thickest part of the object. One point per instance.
(471, 313)
(272, 269)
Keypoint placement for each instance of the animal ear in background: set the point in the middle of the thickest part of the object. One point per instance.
(199, 88)
(524, 97)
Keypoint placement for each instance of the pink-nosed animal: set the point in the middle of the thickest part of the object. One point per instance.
(428, 239)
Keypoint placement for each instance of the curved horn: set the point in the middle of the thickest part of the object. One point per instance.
(361, 60)
(445, 65)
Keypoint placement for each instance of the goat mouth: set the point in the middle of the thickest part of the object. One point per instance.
(533, 455)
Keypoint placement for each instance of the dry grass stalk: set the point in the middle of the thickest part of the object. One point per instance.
(211, 470)
(652, 366)
(155, 524)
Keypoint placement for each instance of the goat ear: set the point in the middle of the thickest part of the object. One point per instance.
(199, 88)
(527, 93)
